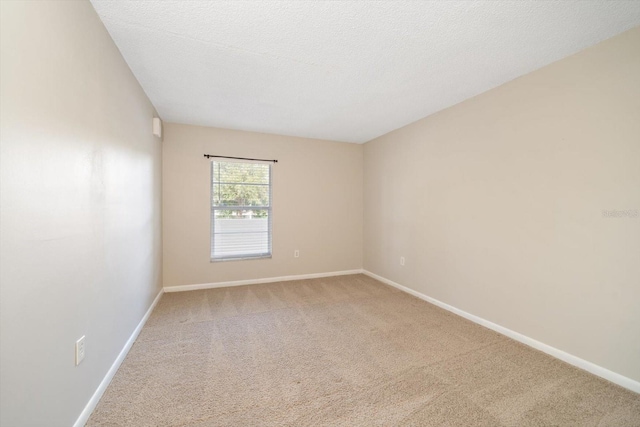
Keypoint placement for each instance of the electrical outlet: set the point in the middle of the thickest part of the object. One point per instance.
(296, 253)
(401, 260)
(79, 350)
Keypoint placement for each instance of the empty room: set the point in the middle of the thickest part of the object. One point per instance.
(319, 213)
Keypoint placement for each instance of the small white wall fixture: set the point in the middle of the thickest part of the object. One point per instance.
(157, 127)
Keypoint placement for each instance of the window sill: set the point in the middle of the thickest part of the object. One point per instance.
(241, 258)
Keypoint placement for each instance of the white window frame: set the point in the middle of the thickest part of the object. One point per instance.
(214, 208)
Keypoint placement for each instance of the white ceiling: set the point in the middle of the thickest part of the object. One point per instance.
(342, 70)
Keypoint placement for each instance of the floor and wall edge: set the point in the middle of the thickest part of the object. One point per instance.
(592, 368)
(95, 398)
(182, 288)
(93, 402)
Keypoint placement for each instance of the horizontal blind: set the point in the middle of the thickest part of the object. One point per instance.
(240, 210)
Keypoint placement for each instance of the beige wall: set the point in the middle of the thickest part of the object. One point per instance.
(497, 204)
(80, 217)
(317, 204)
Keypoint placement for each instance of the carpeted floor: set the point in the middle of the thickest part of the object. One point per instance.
(342, 351)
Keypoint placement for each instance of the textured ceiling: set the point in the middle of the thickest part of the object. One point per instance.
(342, 70)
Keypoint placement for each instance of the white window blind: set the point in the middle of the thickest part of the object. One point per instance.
(240, 210)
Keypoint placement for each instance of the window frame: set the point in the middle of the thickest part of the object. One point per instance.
(213, 208)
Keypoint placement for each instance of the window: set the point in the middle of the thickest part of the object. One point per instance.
(240, 210)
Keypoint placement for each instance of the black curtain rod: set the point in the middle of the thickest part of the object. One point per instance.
(239, 158)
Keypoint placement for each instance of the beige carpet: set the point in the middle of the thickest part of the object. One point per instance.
(342, 351)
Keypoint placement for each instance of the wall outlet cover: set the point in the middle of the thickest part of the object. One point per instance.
(80, 350)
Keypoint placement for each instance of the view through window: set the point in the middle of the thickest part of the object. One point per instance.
(240, 210)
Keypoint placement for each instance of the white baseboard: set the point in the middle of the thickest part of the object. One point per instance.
(182, 288)
(615, 378)
(93, 402)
